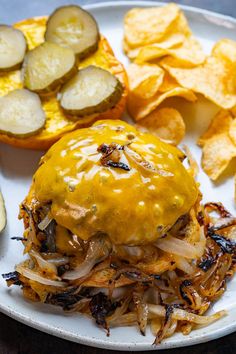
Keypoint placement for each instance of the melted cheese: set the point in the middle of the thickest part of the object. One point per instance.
(133, 207)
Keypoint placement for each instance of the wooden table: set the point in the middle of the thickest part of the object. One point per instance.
(16, 338)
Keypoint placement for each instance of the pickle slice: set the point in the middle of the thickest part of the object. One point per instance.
(3, 219)
(92, 90)
(12, 48)
(21, 114)
(47, 66)
(73, 27)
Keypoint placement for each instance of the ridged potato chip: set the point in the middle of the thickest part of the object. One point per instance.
(232, 130)
(225, 49)
(188, 53)
(235, 188)
(169, 83)
(139, 107)
(218, 152)
(166, 123)
(220, 124)
(214, 79)
(218, 146)
(145, 80)
(155, 42)
(173, 35)
(171, 41)
(145, 26)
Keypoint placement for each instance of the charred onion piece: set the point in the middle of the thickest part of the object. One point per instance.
(141, 308)
(101, 307)
(12, 278)
(165, 325)
(12, 48)
(206, 263)
(92, 90)
(21, 114)
(47, 66)
(3, 218)
(67, 299)
(75, 28)
(226, 245)
(111, 155)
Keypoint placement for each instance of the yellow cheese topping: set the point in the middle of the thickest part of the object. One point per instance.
(133, 194)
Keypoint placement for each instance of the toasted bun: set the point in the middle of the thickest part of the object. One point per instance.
(57, 123)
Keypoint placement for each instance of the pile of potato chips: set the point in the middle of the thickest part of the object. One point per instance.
(168, 61)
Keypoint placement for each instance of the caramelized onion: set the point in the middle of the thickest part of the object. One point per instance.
(45, 222)
(184, 265)
(182, 248)
(44, 265)
(30, 274)
(182, 315)
(99, 249)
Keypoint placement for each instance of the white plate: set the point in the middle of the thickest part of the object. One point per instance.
(17, 167)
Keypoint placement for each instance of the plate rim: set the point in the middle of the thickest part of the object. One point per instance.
(102, 343)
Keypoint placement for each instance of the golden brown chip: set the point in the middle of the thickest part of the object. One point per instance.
(139, 108)
(232, 131)
(144, 26)
(235, 188)
(218, 152)
(233, 111)
(171, 41)
(169, 83)
(188, 53)
(145, 80)
(214, 79)
(225, 49)
(219, 125)
(166, 123)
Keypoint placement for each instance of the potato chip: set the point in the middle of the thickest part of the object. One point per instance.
(214, 79)
(189, 53)
(219, 125)
(166, 123)
(170, 41)
(150, 25)
(225, 49)
(169, 83)
(233, 111)
(174, 36)
(145, 80)
(139, 108)
(218, 152)
(235, 188)
(232, 131)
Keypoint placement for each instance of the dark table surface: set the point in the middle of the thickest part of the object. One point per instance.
(16, 338)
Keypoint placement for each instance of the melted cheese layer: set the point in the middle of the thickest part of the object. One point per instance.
(133, 207)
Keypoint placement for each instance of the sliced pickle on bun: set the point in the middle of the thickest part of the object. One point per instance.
(92, 90)
(21, 114)
(75, 28)
(48, 66)
(13, 47)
